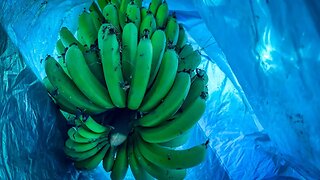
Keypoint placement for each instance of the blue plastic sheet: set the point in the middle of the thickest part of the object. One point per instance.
(262, 116)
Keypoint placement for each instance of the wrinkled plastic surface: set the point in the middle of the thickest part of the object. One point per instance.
(262, 116)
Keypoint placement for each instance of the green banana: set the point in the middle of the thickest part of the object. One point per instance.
(182, 38)
(178, 141)
(79, 156)
(85, 80)
(159, 42)
(65, 86)
(129, 49)
(120, 166)
(133, 14)
(203, 74)
(162, 15)
(156, 171)
(137, 171)
(138, 2)
(163, 82)
(172, 31)
(189, 63)
(173, 128)
(61, 50)
(93, 161)
(122, 12)
(173, 159)
(87, 29)
(94, 126)
(110, 55)
(185, 51)
(143, 12)
(82, 147)
(153, 7)
(87, 133)
(94, 8)
(116, 3)
(197, 87)
(62, 102)
(96, 19)
(109, 158)
(141, 73)
(76, 137)
(67, 39)
(102, 3)
(148, 23)
(94, 63)
(170, 104)
(110, 13)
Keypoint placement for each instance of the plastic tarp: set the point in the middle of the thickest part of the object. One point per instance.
(262, 58)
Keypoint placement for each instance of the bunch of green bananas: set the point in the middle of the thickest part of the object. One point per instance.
(130, 83)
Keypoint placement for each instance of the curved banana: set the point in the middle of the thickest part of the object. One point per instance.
(185, 51)
(94, 126)
(129, 49)
(138, 2)
(163, 82)
(110, 58)
(137, 171)
(159, 42)
(65, 86)
(143, 12)
(87, 133)
(197, 87)
(182, 38)
(109, 158)
(67, 39)
(96, 19)
(61, 50)
(153, 7)
(122, 12)
(148, 23)
(178, 141)
(173, 159)
(203, 74)
(79, 156)
(116, 3)
(162, 15)
(173, 128)
(156, 171)
(172, 31)
(120, 166)
(82, 147)
(95, 9)
(87, 29)
(110, 13)
(133, 14)
(85, 80)
(189, 63)
(93, 161)
(170, 104)
(141, 73)
(62, 102)
(94, 63)
(102, 4)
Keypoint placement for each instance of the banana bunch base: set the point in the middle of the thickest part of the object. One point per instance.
(129, 85)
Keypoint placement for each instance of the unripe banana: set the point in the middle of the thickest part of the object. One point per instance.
(62, 102)
(133, 14)
(94, 126)
(82, 147)
(197, 87)
(87, 29)
(110, 13)
(67, 38)
(162, 15)
(120, 166)
(96, 19)
(94, 63)
(138, 2)
(92, 162)
(79, 156)
(182, 39)
(116, 3)
(65, 86)
(102, 4)
(122, 12)
(129, 49)
(173, 128)
(87, 133)
(178, 141)
(109, 158)
(174, 159)
(156, 171)
(144, 12)
(76, 137)
(170, 104)
(158, 41)
(153, 7)
(149, 24)
(203, 74)
(172, 31)
(141, 73)
(163, 82)
(110, 58)
(96, 10)
(185, 51)
(61, 50)
(85, 80)
(189, 63)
